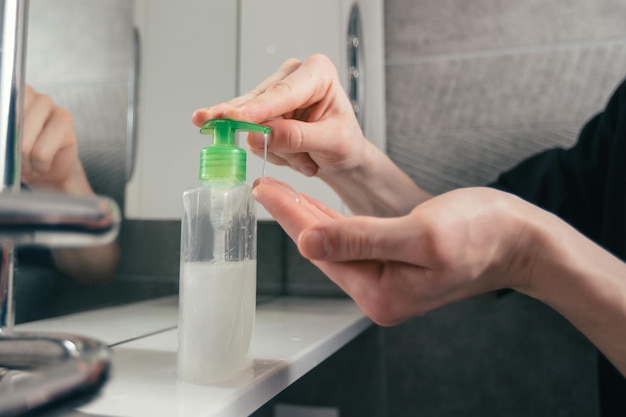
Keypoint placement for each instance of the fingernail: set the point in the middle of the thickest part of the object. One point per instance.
(257, 140)
(314, 244)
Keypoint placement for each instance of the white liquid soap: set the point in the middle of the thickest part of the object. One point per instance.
(218, 309)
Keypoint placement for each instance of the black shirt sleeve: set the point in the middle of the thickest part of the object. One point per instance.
(585, 185)
(572, 183)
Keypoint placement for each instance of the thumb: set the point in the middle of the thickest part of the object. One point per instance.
(361, 238)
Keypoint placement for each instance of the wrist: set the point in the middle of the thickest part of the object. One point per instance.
(562, 268)
(376, 186)
(583, 282)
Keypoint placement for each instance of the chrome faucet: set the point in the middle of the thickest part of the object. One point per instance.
(13, 22)
(37, 369)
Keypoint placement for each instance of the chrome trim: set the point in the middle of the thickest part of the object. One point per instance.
(13, 21)
(57, 220)
(355, 64)
(133, 106)
(46, 368)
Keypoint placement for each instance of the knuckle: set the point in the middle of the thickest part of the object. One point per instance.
(44, 99)
(39, 155)
(320, 59)
(291, 63)
(280, 87)
(359, 246)
(295, 138)
(431, 239)
(355, 244)
(323, 62)
(63, 115)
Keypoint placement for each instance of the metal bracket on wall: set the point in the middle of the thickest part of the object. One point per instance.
(355, 63)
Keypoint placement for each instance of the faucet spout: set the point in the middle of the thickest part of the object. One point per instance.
(13, 18)
(13, 22)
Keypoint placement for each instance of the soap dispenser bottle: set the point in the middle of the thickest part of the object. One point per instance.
(217, 297)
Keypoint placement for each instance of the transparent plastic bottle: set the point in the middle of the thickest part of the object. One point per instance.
(217, 297)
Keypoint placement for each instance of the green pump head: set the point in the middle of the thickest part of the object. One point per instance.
(224, 159)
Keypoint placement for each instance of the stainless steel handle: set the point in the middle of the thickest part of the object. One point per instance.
(50, 220)
(48, 368)
(41, 369)
(57, 220)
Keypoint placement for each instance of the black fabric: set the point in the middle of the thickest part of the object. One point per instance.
(586, 186)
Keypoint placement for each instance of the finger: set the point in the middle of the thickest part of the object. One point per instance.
(271, 158)
(25, 168)
(55, 137)
(315, 207)
(284, 206)
(36, 113)
(200, 116)
(303, 87)
(299, 161)
(29, 95)
(329, 212)
(362, 238)
(288, 67)
(291, 136)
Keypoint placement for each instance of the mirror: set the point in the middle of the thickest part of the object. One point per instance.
(81, 54)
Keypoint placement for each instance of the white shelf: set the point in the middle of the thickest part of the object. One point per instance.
(292, 336)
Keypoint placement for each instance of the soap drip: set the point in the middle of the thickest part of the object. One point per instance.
(265, 137)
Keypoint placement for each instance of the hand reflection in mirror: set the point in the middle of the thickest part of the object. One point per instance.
(50, 162)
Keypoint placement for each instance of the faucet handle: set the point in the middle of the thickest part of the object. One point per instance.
(39, 369)
(57, 220)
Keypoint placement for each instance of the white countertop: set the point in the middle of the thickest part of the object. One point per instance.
(291, 337)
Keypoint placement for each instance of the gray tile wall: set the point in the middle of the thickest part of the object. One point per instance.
(475, 86)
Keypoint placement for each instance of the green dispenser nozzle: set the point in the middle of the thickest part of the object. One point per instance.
(224, 159)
